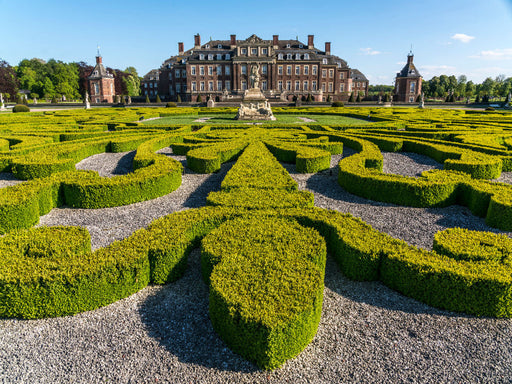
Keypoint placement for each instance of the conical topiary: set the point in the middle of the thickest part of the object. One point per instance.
(158, 99)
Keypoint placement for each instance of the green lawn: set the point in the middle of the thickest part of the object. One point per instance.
(230, 119)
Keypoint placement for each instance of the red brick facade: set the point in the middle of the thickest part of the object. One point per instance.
(408, 83)
(288, 69)
(101, 84)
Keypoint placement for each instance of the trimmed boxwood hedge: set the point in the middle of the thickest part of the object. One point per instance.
(266, 286)
(263, 251)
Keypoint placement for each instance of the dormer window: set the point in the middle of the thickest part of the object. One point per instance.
(244, 51)
(183, 61)
(301, 46)
(280, 56)
(210, 57)
(207, 46)
(228, 56)
(339, 65)
(169, 66)
(219, 46)
(219, 56)
(254, 51)
(297, 56)
(287, 45)
(201, 57)
(289, 56)
(264, 51)
(306, 56)
(95, 73)
(324, 61)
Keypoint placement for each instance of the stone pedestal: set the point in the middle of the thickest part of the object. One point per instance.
(254, 106)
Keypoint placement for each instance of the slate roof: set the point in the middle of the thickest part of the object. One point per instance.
(295, 46)
(152, 75)
(357, 75)
(410, 69)
(99, 72)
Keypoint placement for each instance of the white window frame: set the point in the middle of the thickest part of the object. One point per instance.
(297, 85)
(288, 69)
(297, 70)
(219, 85)
(227, 84)
(201, 70)
(194, 86)
(227, 70)
(306, 69)
(193, 70)
(219, 69)
(279, 69)
(243, 69)
(201, 86)
(210, 70)
(314, 70)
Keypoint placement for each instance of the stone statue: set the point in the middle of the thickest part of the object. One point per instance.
(254, 77)
(422, 101)
(2, 106)
(87, 104)
(34, 101)
(380, 99)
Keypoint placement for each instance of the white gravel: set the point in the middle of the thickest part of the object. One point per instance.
(368, 333)
(7, 179)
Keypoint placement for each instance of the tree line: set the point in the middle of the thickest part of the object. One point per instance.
(55, 79)
(442, 87)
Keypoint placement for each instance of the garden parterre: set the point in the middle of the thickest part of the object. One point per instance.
(51, 280)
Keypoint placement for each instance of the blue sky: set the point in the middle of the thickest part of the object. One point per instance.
(471, 37)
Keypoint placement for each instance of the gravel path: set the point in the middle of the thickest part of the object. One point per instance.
(7, 179)
(368, 333)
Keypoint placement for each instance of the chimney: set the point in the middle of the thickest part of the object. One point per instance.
(197, 41)
(328, 48)
(275, 39)
(180, 48)
(99, 60)
(233, 41)
(310, 41)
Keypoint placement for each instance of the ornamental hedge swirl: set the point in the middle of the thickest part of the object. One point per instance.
(263, 243)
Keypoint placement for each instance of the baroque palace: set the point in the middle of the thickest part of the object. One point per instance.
(288, 69)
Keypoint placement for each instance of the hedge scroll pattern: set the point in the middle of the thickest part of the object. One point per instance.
(263, 243)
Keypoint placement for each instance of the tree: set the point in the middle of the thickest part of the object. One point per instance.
(147, 99)
(84, 71)
(358, 100)
(460, 89)
(470, 89)
(158, 100)
(487, 87)
(178, 99)
(199, 99)
(48, 88)
(8, 80)
(351, 98)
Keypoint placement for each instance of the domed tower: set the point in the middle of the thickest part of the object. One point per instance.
(101, 83)
(408, 82)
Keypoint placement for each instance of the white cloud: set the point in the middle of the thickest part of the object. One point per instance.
(428, 71)
(495, 54)
(401, 62)
(370, 51)
(462, 37)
